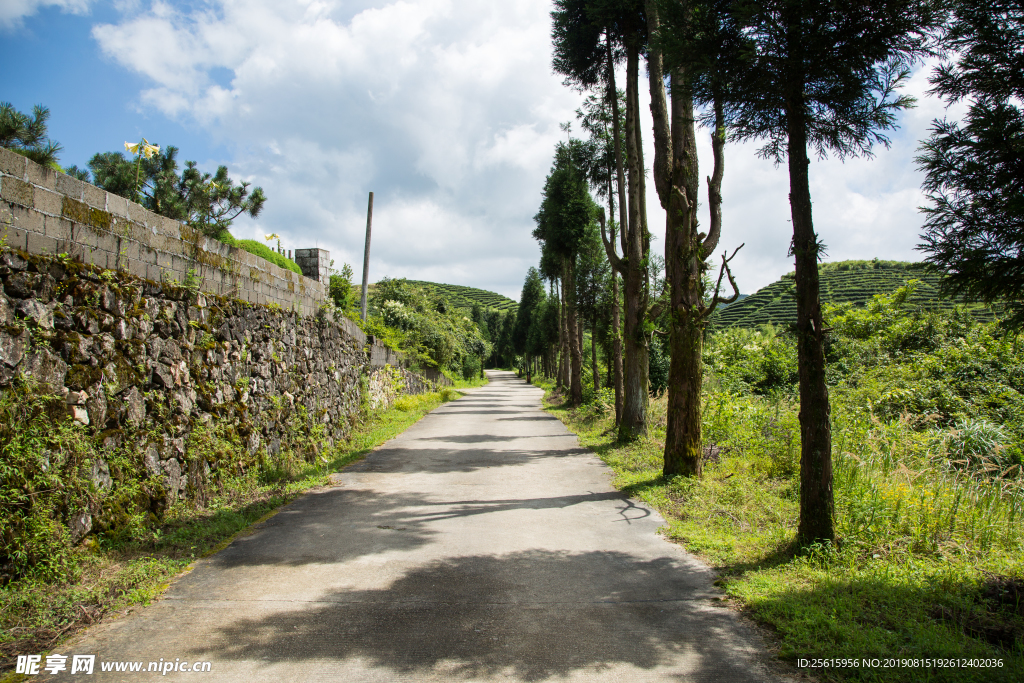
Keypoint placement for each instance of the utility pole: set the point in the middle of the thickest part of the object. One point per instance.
(366, 254)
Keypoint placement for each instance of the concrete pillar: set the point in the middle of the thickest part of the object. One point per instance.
(315, 264)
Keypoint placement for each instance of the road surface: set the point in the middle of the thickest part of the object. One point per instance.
(483, 544)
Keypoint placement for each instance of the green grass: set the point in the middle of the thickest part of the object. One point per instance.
(259, 249)
(130, 569)
(929, 560)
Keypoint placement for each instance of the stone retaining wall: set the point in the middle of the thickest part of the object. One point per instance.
(144, 365)
(154, 360)
(158, 340)
(43, 211)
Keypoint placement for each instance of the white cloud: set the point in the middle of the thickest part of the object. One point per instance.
(13, 12)
(448, 111)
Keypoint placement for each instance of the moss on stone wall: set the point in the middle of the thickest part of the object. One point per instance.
(147, 395)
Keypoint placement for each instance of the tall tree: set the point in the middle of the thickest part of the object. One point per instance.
(592, 272)
(596, 115)
(695, 48)
(566, 211)
(530, 300)
(551, 271)
(590, 37)
(975, 169)
(822, 77)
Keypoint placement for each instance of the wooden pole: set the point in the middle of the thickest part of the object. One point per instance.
(366, 254)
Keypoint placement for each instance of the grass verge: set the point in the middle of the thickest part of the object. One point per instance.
(929, 563)
(116, 575)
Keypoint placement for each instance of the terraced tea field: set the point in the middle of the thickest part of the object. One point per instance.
(843, 281)
(461, 296)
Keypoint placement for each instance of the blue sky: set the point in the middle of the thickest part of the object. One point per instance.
(93, 101)
(446, 109)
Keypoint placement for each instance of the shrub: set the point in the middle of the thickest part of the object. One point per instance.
(258, 249)
(470, 367)
(44, 461)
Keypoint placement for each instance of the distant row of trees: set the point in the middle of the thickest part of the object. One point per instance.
(805, 78)
(426, 327)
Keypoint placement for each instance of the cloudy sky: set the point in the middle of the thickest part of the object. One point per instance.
(447, 110)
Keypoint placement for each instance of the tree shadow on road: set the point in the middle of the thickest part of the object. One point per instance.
(529, 616)
(395, 458)
(339, 525)
(468, 438)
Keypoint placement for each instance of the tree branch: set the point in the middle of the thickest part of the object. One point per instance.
(609, 246)
(724, 270)
(715, 181)
(663, 150)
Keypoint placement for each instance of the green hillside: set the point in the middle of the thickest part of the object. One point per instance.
(843, 281)
(461, 296)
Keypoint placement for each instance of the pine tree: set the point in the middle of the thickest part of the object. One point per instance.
(975, 169)
(590, 37)
(207, 202)
(822, 78)
(27, 135)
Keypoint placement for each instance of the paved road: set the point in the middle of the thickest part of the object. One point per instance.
(483, 544)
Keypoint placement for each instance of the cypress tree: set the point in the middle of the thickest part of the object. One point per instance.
(975, 169)
(821, 78)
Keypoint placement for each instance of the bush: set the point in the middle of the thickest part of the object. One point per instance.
(342, 292)
(470, 367)
(44, 461)
(759, 361)
(978, 443)
(258, 249)
(409, 403)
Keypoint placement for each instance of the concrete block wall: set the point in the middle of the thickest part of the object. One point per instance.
(45, 212)
(315, 264)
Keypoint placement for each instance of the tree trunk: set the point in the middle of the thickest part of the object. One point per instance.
(616, 347)
(609, 381)
(633, 423)
(593, 354)
(573, 334)
(684, 265)
(563, 341)
(817, 508)
(686, 251)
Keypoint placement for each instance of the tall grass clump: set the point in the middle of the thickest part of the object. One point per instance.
(928, 423)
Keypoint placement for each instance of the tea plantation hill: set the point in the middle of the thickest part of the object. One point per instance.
(843, 281)
(461, 296)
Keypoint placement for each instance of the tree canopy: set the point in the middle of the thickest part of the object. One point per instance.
(207, 202)
(26, 134)
(974, 180)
